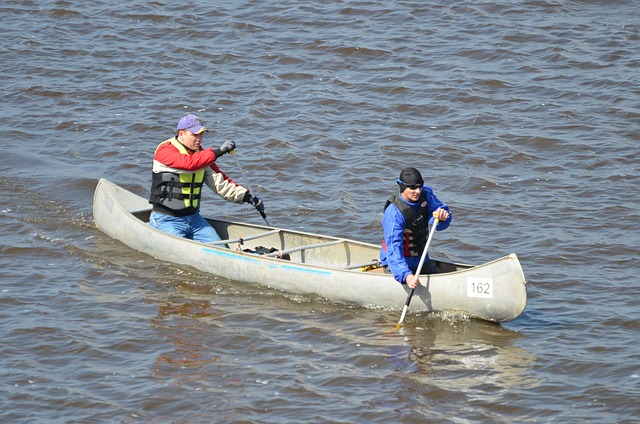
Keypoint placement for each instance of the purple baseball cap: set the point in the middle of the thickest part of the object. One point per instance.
(191, 123)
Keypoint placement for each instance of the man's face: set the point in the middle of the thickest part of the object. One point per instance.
(412, 193)
(190, 140)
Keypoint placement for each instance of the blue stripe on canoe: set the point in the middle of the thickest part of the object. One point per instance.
(307, 270)
(233, 255)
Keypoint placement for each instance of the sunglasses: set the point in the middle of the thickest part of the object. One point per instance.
(414, 186)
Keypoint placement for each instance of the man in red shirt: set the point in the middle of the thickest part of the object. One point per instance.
(181, 166)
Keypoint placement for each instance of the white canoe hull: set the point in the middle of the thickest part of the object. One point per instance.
(494, 291)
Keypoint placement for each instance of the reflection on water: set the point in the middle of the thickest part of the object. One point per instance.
(477, 358)
(189, 350)
(432, 355)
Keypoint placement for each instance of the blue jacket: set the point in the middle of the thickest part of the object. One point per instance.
(393, 225)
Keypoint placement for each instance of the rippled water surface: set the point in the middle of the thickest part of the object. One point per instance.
(523, 115)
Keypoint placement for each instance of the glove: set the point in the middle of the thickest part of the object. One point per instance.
(257, 203)
(227, 146)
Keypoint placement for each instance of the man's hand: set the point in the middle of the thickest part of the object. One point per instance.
(412, 281)
(441, 214)
(257, 203)
(227, 146)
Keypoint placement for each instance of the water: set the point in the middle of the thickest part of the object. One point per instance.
(522, 115)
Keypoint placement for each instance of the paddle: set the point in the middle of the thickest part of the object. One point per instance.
(246, 183)
(422, 259)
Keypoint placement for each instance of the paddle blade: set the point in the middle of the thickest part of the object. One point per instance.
(406, 306)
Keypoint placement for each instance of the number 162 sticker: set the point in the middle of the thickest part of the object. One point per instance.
(480, 287)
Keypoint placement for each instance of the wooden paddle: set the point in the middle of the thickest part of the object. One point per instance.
(422, 259)
(246, 183)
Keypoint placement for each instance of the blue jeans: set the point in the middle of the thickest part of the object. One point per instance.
(193, 227)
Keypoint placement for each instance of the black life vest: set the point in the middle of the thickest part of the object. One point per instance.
(417, 228)
(174, 193)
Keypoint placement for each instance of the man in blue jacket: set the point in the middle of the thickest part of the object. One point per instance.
(405, 223)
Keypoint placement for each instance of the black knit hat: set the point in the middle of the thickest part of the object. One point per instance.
(411, 176)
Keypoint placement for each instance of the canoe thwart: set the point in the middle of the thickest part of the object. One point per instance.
(365, 266)
(305, 247)
(241, 239)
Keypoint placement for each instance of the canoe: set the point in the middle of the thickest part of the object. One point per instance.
(335, 268)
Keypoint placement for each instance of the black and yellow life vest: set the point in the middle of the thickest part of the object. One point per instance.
(175, 193)
(417, 228)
